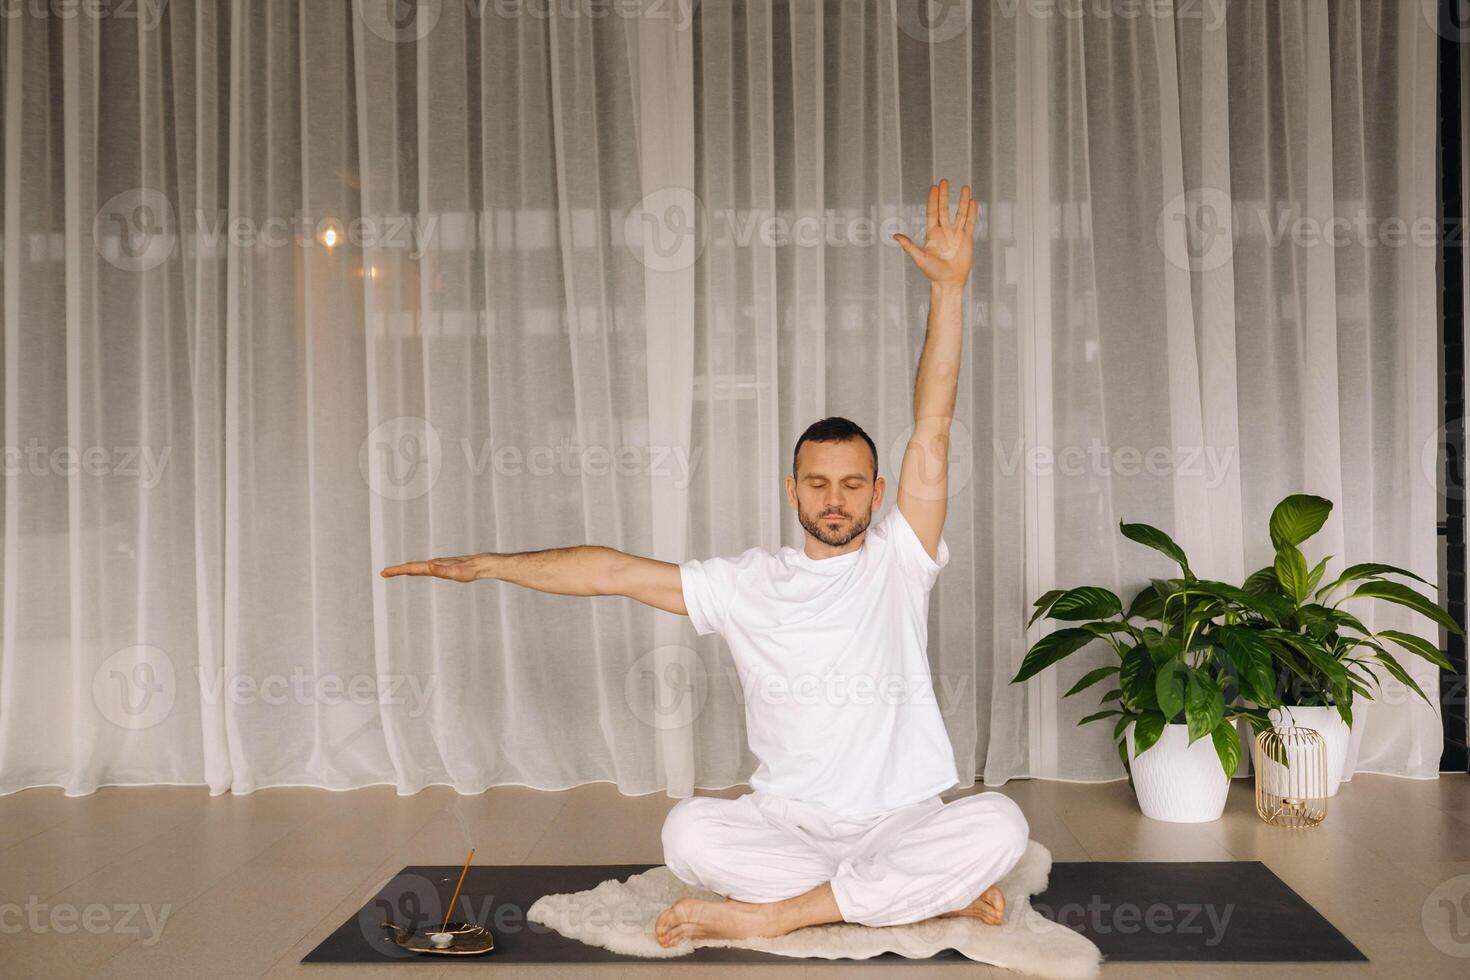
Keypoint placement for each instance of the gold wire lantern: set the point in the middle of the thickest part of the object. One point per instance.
(1291, 777)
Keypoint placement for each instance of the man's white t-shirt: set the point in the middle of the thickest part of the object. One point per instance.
(832, 658)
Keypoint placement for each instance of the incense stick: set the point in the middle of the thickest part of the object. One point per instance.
(450, 911)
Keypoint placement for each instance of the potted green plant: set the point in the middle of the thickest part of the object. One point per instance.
(1177, 676)
(1323, 656)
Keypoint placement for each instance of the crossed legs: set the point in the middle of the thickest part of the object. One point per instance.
(783, 865)
(694, 918)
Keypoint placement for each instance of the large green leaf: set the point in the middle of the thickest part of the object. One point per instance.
(1204, 705)
(1316, 574)
(1227, 745)
(1147, 534)
(1253, 663)
(1280, 605)
(1337, 617)
(1170, 683)
(1202, 609)
(1285, 655)
(1146, 731)
(1163, 648)
(1087, 602)
(1090, 678)
(1367, 569)
(1147, 604)
(1268, 609)
(1319, 657)
(1291, 572)
(1405, 596)
(1051, 648)
(1136, 678)
(1107, 627)
(1400, 674)
(1170, 591)
(1362, 676)
(1315, 624)
(1297, 518)
(1099, 715)
(1262, 581)
(1419, 646)
(1044, 603)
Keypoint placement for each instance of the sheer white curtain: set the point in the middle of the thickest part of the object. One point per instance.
(292, 291)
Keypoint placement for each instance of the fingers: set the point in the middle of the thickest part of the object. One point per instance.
(407, 568)
(459, 569)
(907, 244)
(937, 210)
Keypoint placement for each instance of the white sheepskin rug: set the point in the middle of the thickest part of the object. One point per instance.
(619, 916)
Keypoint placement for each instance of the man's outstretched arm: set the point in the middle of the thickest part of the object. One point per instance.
(923, 483)
(586, 569)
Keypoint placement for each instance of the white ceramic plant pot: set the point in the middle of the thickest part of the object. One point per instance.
(1176, 781)
(1329, 724)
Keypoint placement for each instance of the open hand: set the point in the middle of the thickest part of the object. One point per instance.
(948, 244)
(465, 568)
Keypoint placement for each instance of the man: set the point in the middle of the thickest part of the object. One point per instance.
(844, 821)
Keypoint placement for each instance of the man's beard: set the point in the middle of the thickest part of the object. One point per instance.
(837, 535)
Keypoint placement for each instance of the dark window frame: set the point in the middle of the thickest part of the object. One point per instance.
(1454, 22)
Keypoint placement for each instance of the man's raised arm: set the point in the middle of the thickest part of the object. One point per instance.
(585, 569)
(923, 483)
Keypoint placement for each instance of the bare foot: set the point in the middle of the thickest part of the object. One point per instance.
(694, 918)
(990, 908)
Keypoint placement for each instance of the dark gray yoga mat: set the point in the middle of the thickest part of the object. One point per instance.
(1136, 911)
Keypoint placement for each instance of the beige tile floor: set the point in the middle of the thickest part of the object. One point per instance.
(250, 884)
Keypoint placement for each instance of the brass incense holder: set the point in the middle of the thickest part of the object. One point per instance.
(464, 939)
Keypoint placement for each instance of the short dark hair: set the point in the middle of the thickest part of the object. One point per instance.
(834, 429)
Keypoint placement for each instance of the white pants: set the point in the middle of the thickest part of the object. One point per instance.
(907, 864)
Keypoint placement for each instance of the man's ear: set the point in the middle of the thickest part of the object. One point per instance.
(878, 486)
(791, 492)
